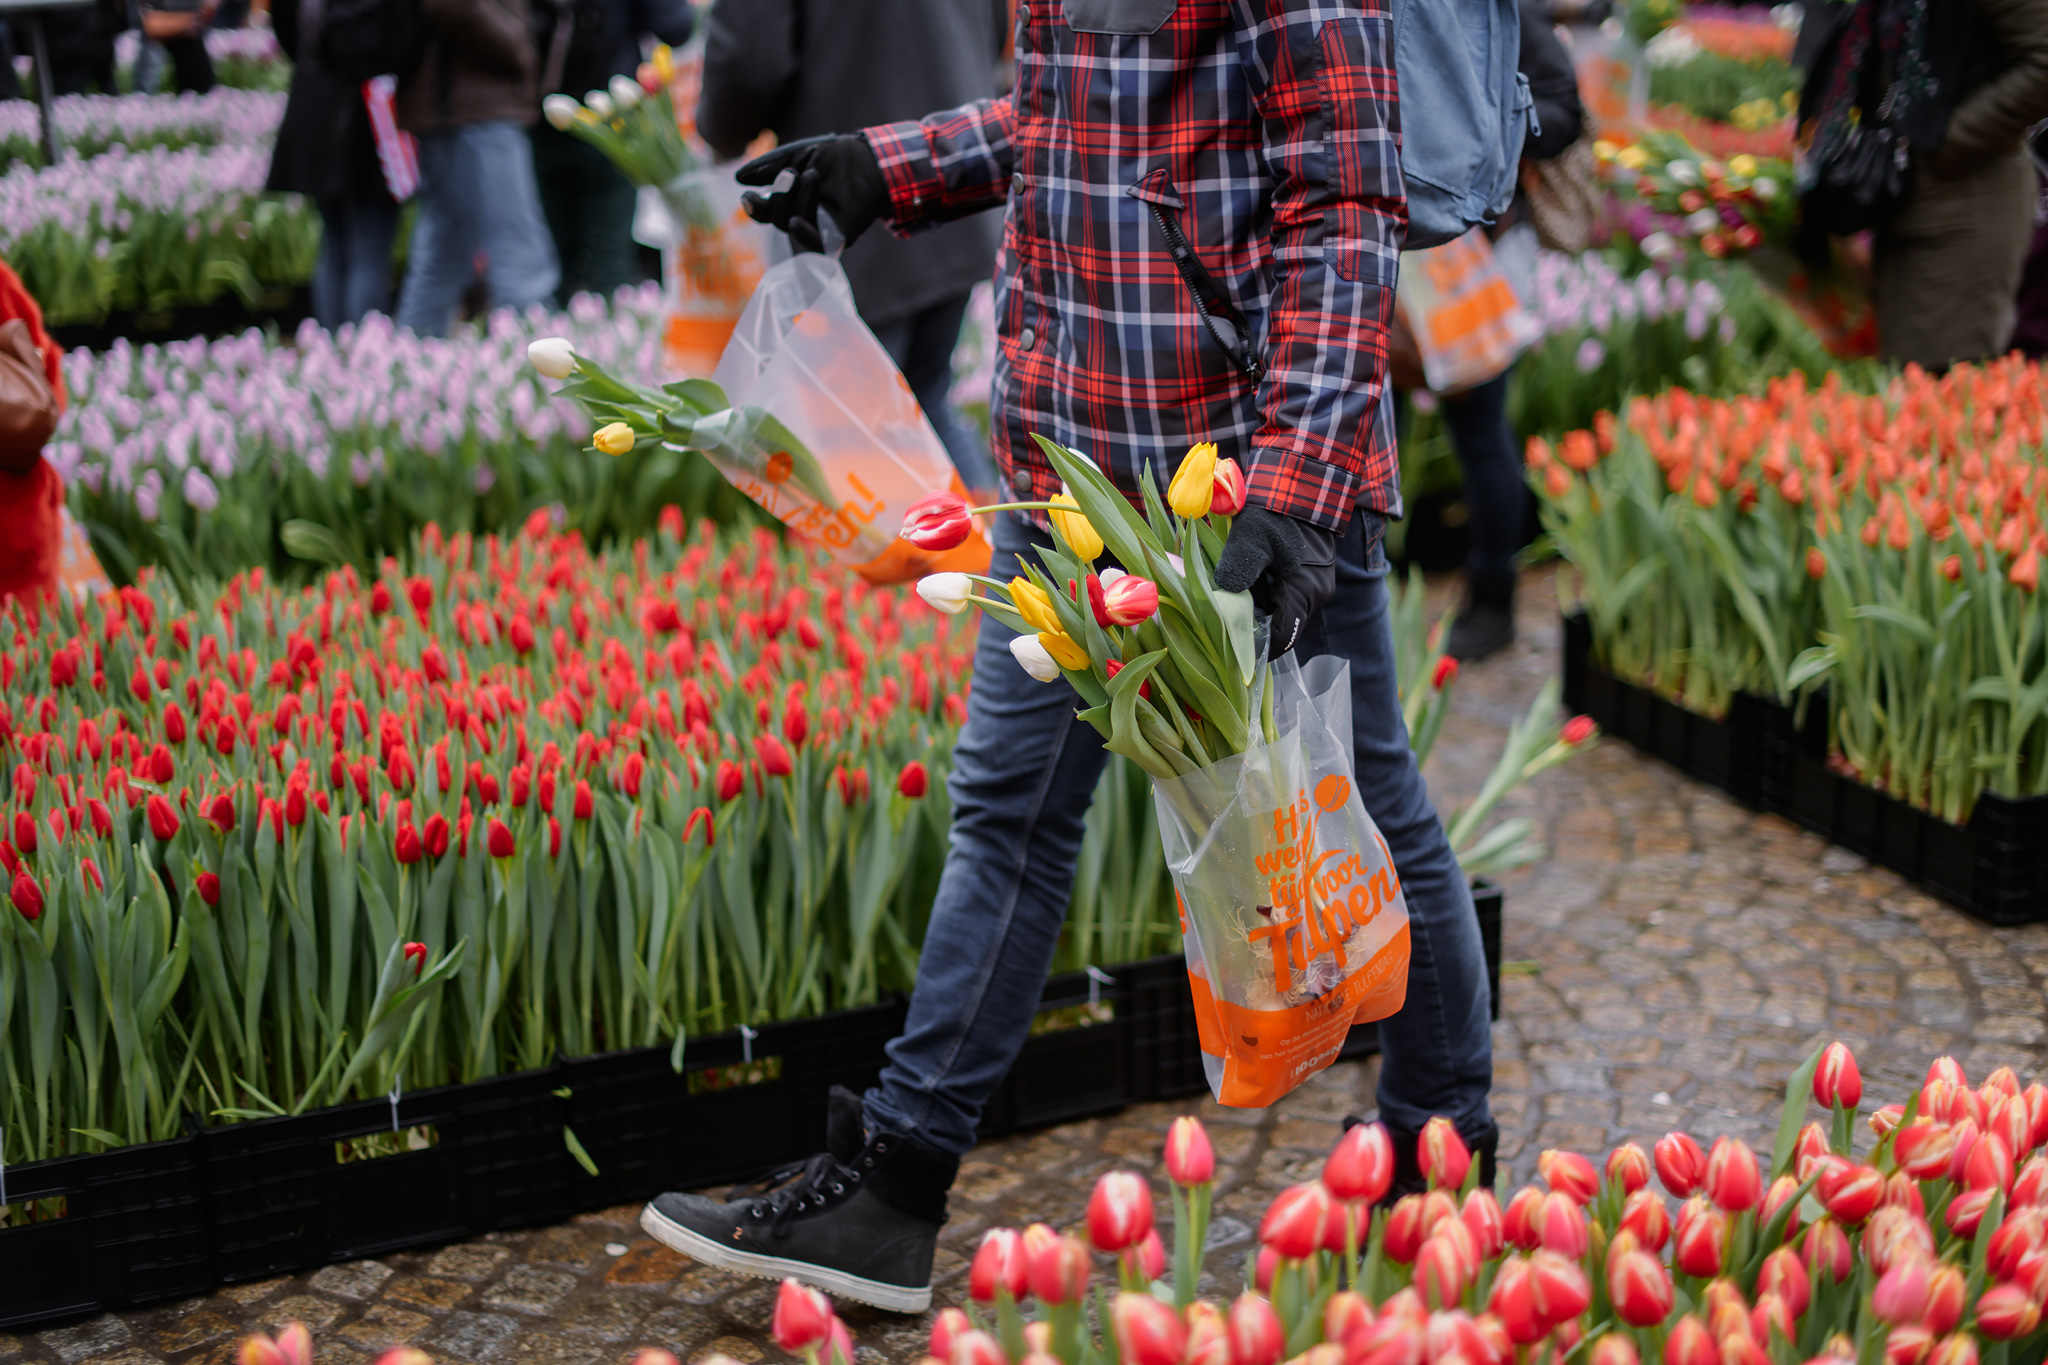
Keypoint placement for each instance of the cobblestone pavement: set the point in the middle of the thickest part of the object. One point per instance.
(1670, 961)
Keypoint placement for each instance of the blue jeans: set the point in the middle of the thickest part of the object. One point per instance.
(353, 276)
(1024, 771)
(1495, 491)
(922, 347)
(477, 193)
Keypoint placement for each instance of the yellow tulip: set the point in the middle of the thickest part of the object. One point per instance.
(1632, 158)
(1075, 528)
(614, 439)
(1034, 606)
(664, 63)
(1064, 651)
(1194, 483)
(1742, 163)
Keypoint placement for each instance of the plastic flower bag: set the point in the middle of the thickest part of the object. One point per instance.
(1292, 914)
(824, 431)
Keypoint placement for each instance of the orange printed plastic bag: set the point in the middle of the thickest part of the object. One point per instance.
(821, 428)
(1467, 322)
(1292, 914)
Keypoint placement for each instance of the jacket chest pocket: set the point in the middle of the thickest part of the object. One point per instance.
(1119, 16)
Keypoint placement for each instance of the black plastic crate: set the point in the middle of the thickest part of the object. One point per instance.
(288, 1194)
(133, 1232)
(1076, 1068)
(739, 1106)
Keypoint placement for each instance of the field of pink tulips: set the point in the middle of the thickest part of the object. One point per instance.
(1911, 1234)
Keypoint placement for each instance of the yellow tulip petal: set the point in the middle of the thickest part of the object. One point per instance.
(1075, 528)
(1194, 483)
(1063, 650)
(1033, 605)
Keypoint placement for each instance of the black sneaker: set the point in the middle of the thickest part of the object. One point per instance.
(1480, 629)
(860, 1222)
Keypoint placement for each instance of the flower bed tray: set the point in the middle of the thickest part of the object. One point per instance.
(278, 1196)
(1995, 866)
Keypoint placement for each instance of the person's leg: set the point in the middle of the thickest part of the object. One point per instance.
(922, 347)
(555, 182)
(330, 271)
(521, 265)
(607, 257)
(1436, 1053)
(1495, 496)
(441, 259)
(1946, 269)
(373, 226)
(191, 67)
(862, 1218)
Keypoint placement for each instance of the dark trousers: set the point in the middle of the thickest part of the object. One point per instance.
(922, 347)
(1495, 495)
(589, 207)
(353, 276)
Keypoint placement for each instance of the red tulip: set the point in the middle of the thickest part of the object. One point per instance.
(2005, 1313)
(498, 839)
(2021, 1232)
(1945, 1296)
(1681, 1165)
(1614, 1349)
(1513, 1300)
(102, 818)
(1441, 1272)
(948, 1327)
(1779, 1196)
(1483, 1219)
(1120, 1211)
(435, 836)
(912, 782)
(1561, 1225)
(1442, 1154)
(1256, 1337)
(27, 896)
(1190, 1160)
(1150, 1255)
(1559, 1285)
(1960, 1349)
(583, 804)
(220, 812)
(1989, 1165)
(1701, 1238)
(1733, 1181)
(1689, 1344)
(1783, 1275)
(937, 521)
(1629, 1167)
(1056, 1266)
(1130, 600)
(977, 1348)
(1909, 1345)
(1893, 1235)
(295, 805)
(1900, 1297)
(1967, 1210)
(554, 837)
(1147, 1331)
(1518, 1222)
(1226, 498)
(1836, 1081)
(1827, 1252)
(1445, 674)
(999, 1267)
(803, 1318)
(163, 820)
(1569, 1174)
(774, 758)
(731, 780)
(1850, 1192)
(1640, 1288)
(1644, 1215)
(1361, 1166)
(207, 884)
(1924, 1148)
(1578, 730)
(1293, 1225)
(1885, 1118)
(1412, 1219)
(406, 846)
(25, 831)
(416, 954)
(1811, 1145)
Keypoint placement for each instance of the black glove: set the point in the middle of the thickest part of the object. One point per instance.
(837, 172)
(1289, 566)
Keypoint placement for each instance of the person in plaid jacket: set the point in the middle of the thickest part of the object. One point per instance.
(1262, 137)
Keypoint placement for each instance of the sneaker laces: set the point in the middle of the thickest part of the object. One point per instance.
(821, 1179)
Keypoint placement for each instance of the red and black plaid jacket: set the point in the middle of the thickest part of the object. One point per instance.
(1270, 128)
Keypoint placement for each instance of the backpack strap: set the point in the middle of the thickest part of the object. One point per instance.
(1217, 312)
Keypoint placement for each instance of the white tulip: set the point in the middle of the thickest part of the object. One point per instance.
(1033, 659)
(560, 111)
(625, 93)
(1179, 566)
(552, 356)
(598, 103)
(1109, 576)
(946, 592)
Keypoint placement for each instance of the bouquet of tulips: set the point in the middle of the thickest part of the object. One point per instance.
(1724, 208)
(633, 122)
(1887, 544)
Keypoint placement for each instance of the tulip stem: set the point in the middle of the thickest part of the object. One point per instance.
(1014, 507)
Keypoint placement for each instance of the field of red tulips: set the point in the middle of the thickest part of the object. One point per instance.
(283, 848)
(1887, 545)
(1918, 1236)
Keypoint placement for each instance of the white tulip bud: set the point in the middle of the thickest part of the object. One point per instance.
(598, 103)
(553, 357)
(946, 592)
(1109, 576)
(1033, 659)
(626, 93)
(560, 111)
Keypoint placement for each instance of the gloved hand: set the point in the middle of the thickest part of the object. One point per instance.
(1289, 566)
(837, 172)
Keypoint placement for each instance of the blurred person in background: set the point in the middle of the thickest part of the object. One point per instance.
(81, 46)
(806, 68)
(583, 44)
(325, 151)
(469, 101)
(31, 493)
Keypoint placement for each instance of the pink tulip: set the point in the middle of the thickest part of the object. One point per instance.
(1293, 1225)
(1256, 1337)
(1629, 1167)
(1732, 1180)
(1640, 1288)
(1443, 1155)
(1644, 1214)
(999, 1267)
(803, 1318)
(1482, 1218)
(1362, 1165)
(1680, 1164)
(1120, 1211)
(1147, 1331)
(1569, 1174)
(1190, 1160)
(1130, 600)
(1900, 1297)
(1836, 1081)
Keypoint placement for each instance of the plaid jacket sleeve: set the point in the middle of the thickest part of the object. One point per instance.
(946, 165)
(1323, 74)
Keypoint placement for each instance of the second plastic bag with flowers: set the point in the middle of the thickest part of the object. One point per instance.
(1291, 912)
